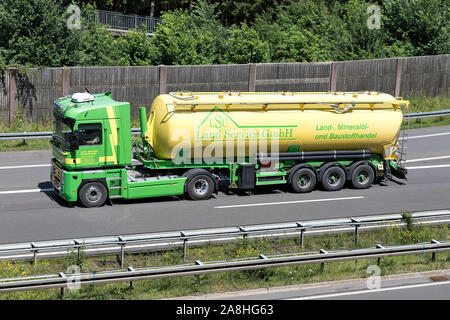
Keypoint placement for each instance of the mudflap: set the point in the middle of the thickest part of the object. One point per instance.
(398, 171)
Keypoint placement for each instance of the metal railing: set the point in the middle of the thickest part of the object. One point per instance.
(168, 240)
(48, 134)
(429, 114)
(130, 274)
(120, 21)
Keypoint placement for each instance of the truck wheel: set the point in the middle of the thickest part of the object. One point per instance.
(333, 178)
(303, 180)
(200, 187)
(93, 194)
(362, 177)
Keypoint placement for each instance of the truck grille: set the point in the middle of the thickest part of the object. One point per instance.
(57, 176)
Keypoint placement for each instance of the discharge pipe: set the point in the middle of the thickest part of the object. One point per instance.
(143, 120)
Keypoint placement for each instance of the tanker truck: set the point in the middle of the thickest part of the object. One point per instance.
(191, 141)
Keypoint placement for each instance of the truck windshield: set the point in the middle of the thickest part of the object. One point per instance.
(62, 132)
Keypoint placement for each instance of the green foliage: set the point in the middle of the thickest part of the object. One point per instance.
(137, 49)
(35, 33)
(244, 46)
(75, 259)
(196, 38)
(408, 220)
(425, 24)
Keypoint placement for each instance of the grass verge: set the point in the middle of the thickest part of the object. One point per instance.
(422, 103)
(237, 280)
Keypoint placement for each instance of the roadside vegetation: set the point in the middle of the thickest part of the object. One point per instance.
(238, 280)
(422, 103)
(35, 33)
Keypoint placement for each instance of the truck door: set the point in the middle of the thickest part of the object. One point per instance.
(91, 152)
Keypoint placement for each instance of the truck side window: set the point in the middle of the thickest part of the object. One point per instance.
(90, 134)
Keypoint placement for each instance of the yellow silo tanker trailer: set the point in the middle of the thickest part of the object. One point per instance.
(193, 140)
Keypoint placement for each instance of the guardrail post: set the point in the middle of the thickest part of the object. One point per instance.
(379, 246)
(77, 245)
(35, 250)
(433, 254)
(302, 234)
(322, 265)
(357, 225)
(185, 240)
(198, 263)
(122, 244)
(130, 268)
(62, 275)
(244, 235)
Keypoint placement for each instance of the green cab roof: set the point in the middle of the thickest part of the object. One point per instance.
(95, 109)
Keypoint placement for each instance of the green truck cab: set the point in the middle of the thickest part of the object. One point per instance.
(91, 153)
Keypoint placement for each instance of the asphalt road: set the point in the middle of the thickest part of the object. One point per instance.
(434, 285)
(29, 215)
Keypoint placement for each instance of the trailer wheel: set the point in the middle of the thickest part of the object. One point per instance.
(362, 177)
(303, 180)
(200, 187)
(93, 194)
(333, 178)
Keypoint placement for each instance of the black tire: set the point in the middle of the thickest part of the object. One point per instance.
(304, 180)
(93, 194)
(333, 178)
(200, 187)
(362, 177)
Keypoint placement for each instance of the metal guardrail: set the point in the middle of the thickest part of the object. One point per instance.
(131, 274)
(430, 114)
(167, 240)
(134, 131)
(120, 21)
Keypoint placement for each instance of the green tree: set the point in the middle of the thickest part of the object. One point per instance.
(244, 46)
(425, 24)
(35, 33)
(96, 46)
(190, 38)
(137, 49)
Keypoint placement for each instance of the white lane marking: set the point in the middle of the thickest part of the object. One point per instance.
(26, 191)
(331, 295)
(26, 166)
(429, 167)
(428, 135)
(428, 159)
(286, 202)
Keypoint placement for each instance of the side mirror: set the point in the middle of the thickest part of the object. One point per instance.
(74, 141)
